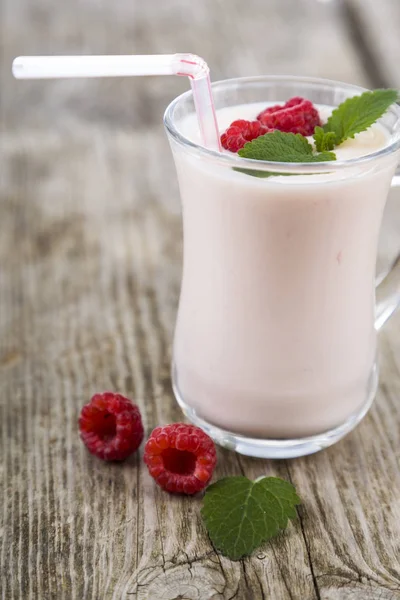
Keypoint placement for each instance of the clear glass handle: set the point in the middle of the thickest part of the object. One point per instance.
(388, 289)
(396, 178)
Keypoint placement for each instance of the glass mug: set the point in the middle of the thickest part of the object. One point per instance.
(275, 343)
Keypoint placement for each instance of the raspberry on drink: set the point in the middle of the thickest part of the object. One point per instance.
(240, 132)
(296, 116)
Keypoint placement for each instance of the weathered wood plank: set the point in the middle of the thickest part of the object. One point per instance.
(377, 24)
(90, 260)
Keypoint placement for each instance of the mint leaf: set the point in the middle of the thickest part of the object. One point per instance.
(283, 147)
(241, 514)
(324, 140)
(260, 174)
(358, 113)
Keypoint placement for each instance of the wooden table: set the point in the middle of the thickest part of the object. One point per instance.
(90, 263)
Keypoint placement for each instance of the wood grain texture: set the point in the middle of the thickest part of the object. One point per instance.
(90, 263)
(376, 21)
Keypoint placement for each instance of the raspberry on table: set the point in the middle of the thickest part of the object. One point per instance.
(111, 426)
(298, 115)
(240, 132)
(180, 457)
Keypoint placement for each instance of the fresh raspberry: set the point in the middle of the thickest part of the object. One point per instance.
(181, 458)
(296, 116)
(111, 426)
(240, 132)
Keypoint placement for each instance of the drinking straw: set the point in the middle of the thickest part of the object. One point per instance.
(189, 65)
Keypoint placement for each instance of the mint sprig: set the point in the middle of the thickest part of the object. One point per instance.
(240, 514)
(353, 116)
(358, 113)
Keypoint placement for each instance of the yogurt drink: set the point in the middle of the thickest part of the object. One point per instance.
(275, 334)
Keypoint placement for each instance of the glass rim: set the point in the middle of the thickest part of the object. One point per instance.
(234, 161)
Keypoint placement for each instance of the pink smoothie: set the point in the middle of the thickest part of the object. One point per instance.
(275, 332)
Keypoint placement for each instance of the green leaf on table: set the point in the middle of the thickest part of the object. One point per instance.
(358, 113)
(240, 514)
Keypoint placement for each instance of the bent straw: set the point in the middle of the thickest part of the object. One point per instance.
(189, 65)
